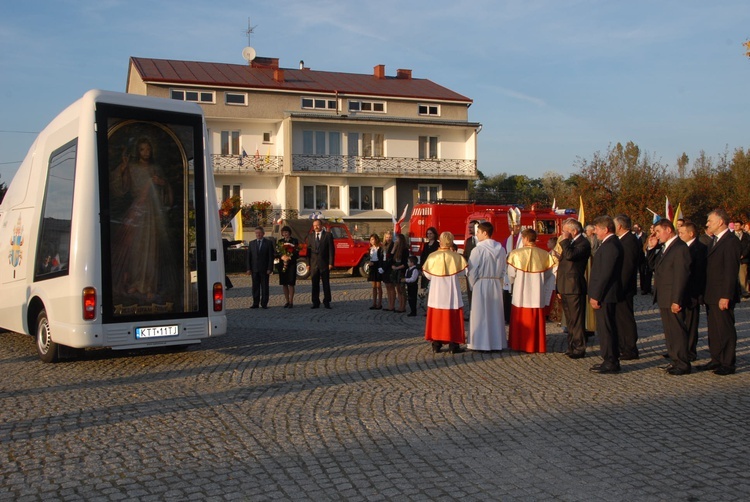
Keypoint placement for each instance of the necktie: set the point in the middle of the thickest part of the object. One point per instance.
(317, 238)
(260, 243)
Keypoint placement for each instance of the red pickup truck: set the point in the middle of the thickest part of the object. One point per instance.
(351, 253)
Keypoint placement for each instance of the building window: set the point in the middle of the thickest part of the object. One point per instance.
(320, 197)
(318, 104)
(365, 198)
(194, 96)
(321, 142)
(428, 147)
(431, 110)
(228, 191)
(267, 137)
(230, 142)
(429, 193)
(235, 98)
(367, 106)
(372, 145)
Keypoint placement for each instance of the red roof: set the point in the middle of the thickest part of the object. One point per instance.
(169, 71)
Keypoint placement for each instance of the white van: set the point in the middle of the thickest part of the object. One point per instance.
(109, 231)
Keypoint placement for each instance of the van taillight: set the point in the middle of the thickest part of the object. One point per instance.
(89, 304)
(218, 297)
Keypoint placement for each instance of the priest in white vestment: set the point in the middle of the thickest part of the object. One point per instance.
(485, 275)
(530, 272)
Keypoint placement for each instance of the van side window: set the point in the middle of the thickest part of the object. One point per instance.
(53, 251)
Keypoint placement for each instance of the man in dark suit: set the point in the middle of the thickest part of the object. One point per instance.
(605, 291)
(575, 251)
(260, 267)
(739, 231)
(696, 285)
(644, 272)
(722, 294)
(671, 268)
(320, 251)
(632, 257)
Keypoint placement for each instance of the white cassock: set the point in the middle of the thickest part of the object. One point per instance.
(486, 273)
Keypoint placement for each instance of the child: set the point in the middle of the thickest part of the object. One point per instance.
(375, 274)
(410, 278)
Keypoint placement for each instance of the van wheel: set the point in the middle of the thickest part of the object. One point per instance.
(303, 269)
(45, 347)
(364, 267)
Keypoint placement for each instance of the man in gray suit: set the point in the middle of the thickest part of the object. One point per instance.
(260, 267)
(575, 251)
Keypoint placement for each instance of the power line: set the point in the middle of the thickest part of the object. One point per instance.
(19, 132)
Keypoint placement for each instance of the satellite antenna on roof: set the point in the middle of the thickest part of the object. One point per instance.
(248, 53)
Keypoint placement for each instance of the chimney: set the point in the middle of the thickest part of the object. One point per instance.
(403, 74)
(301, 64)
(278, 74)
(261, 62)
(379, 72)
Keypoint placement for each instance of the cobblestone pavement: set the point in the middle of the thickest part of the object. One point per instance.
(351, 404)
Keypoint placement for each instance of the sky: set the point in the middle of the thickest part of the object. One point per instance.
(553, 81)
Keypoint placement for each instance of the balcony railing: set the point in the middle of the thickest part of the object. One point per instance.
(238, 164)
(384, 166)
(342, 164)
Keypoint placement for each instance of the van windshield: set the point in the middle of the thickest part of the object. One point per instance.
(148, 190)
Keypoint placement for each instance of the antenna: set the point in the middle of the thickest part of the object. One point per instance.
(249, 31)
(248, 53)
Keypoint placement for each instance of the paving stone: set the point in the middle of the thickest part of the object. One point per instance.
(351, 404)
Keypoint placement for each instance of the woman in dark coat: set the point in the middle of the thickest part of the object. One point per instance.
(287, 251)
(429, 247)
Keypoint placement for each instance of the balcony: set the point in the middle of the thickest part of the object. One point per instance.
(384, 166)
(249, 164)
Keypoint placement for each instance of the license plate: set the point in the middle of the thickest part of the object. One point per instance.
(155, 331)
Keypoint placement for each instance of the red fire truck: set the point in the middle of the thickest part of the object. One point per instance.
(546, 222)
(444, 216)
(455, 217)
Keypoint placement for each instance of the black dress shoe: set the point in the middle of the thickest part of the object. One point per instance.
(603, 368)
(665, 355)
(628, 357)
(678, 371)
(713, 365)
(579, 355)
(436, 346)
(254, 307)
(457, 349)
(327, 305)
(264, 306)
(315, 307)
(724, 371)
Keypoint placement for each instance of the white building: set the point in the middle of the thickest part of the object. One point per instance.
(357, 146)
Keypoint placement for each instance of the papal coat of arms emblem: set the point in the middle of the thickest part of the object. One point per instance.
(16, 242)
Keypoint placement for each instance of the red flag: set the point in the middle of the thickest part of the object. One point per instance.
(668, 210)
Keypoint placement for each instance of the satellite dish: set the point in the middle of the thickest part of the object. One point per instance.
(248, 53)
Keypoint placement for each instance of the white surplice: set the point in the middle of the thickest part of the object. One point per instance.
(486, 273)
